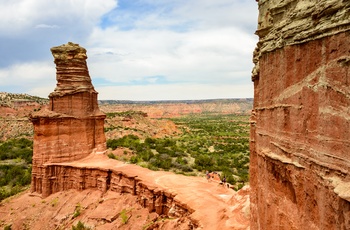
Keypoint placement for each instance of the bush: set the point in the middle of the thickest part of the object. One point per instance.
(15, 175)
(183, 168)
(80, 226)
(204, 162)
(112, 156)
(163, 161)
(77, 210)
(17, 148)
(124, 216)
(181, 160)
(145, 155)
(134, 160)
(126, 141)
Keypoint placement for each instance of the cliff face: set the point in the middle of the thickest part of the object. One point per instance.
(300, 132)
(72, 127)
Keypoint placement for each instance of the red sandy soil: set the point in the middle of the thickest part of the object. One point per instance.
(215, 206)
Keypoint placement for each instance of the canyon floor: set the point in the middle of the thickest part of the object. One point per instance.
(212, 205)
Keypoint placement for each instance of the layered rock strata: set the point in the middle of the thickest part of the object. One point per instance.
(300, 132)
(60, 177)
(72, 127)
(69, 143)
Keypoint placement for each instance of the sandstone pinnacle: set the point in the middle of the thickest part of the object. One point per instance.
(71, 70)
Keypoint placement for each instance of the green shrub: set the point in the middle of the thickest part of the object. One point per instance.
(126, 141)
(163, 161)
(80, 226)
(112, 156)
(124, 216)
(17, 148)
(204, 162)
(134, 159)
(77, 210)
(145, 155)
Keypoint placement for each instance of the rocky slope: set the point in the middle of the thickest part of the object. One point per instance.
(14, 113)
(299, 167)
(136, 123)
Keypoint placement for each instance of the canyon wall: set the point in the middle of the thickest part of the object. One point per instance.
(72, 126)
(300, 133)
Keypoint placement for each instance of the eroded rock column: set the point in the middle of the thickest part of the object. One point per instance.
(300, 132)
(72, 127)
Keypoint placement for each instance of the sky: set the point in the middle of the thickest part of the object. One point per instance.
(137, 49)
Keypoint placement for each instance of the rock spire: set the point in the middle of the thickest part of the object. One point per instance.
(73, 126)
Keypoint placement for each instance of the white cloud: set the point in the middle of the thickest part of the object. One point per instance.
(171, 45)
(198, 56)
(183, 41)
(24, 77)
(19, 16)
(45, 26)
(174, 92)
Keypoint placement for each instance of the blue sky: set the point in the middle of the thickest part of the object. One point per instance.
(137, 49)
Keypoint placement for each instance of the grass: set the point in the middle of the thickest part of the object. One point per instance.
(77, 210)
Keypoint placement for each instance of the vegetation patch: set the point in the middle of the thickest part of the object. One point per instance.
(124, 216)
(77, 210)
(80, 226)
(15, 166)
(218, 143)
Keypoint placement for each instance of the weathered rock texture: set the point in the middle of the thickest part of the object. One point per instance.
(62, 177)
(72, 127)
(69, 143)
(300, 133)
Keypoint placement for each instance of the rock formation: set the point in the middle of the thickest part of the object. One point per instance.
(69, 143)
(72, 127)
(300, 132)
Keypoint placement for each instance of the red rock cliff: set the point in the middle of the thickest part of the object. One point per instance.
(300, 134)
(72, 128)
